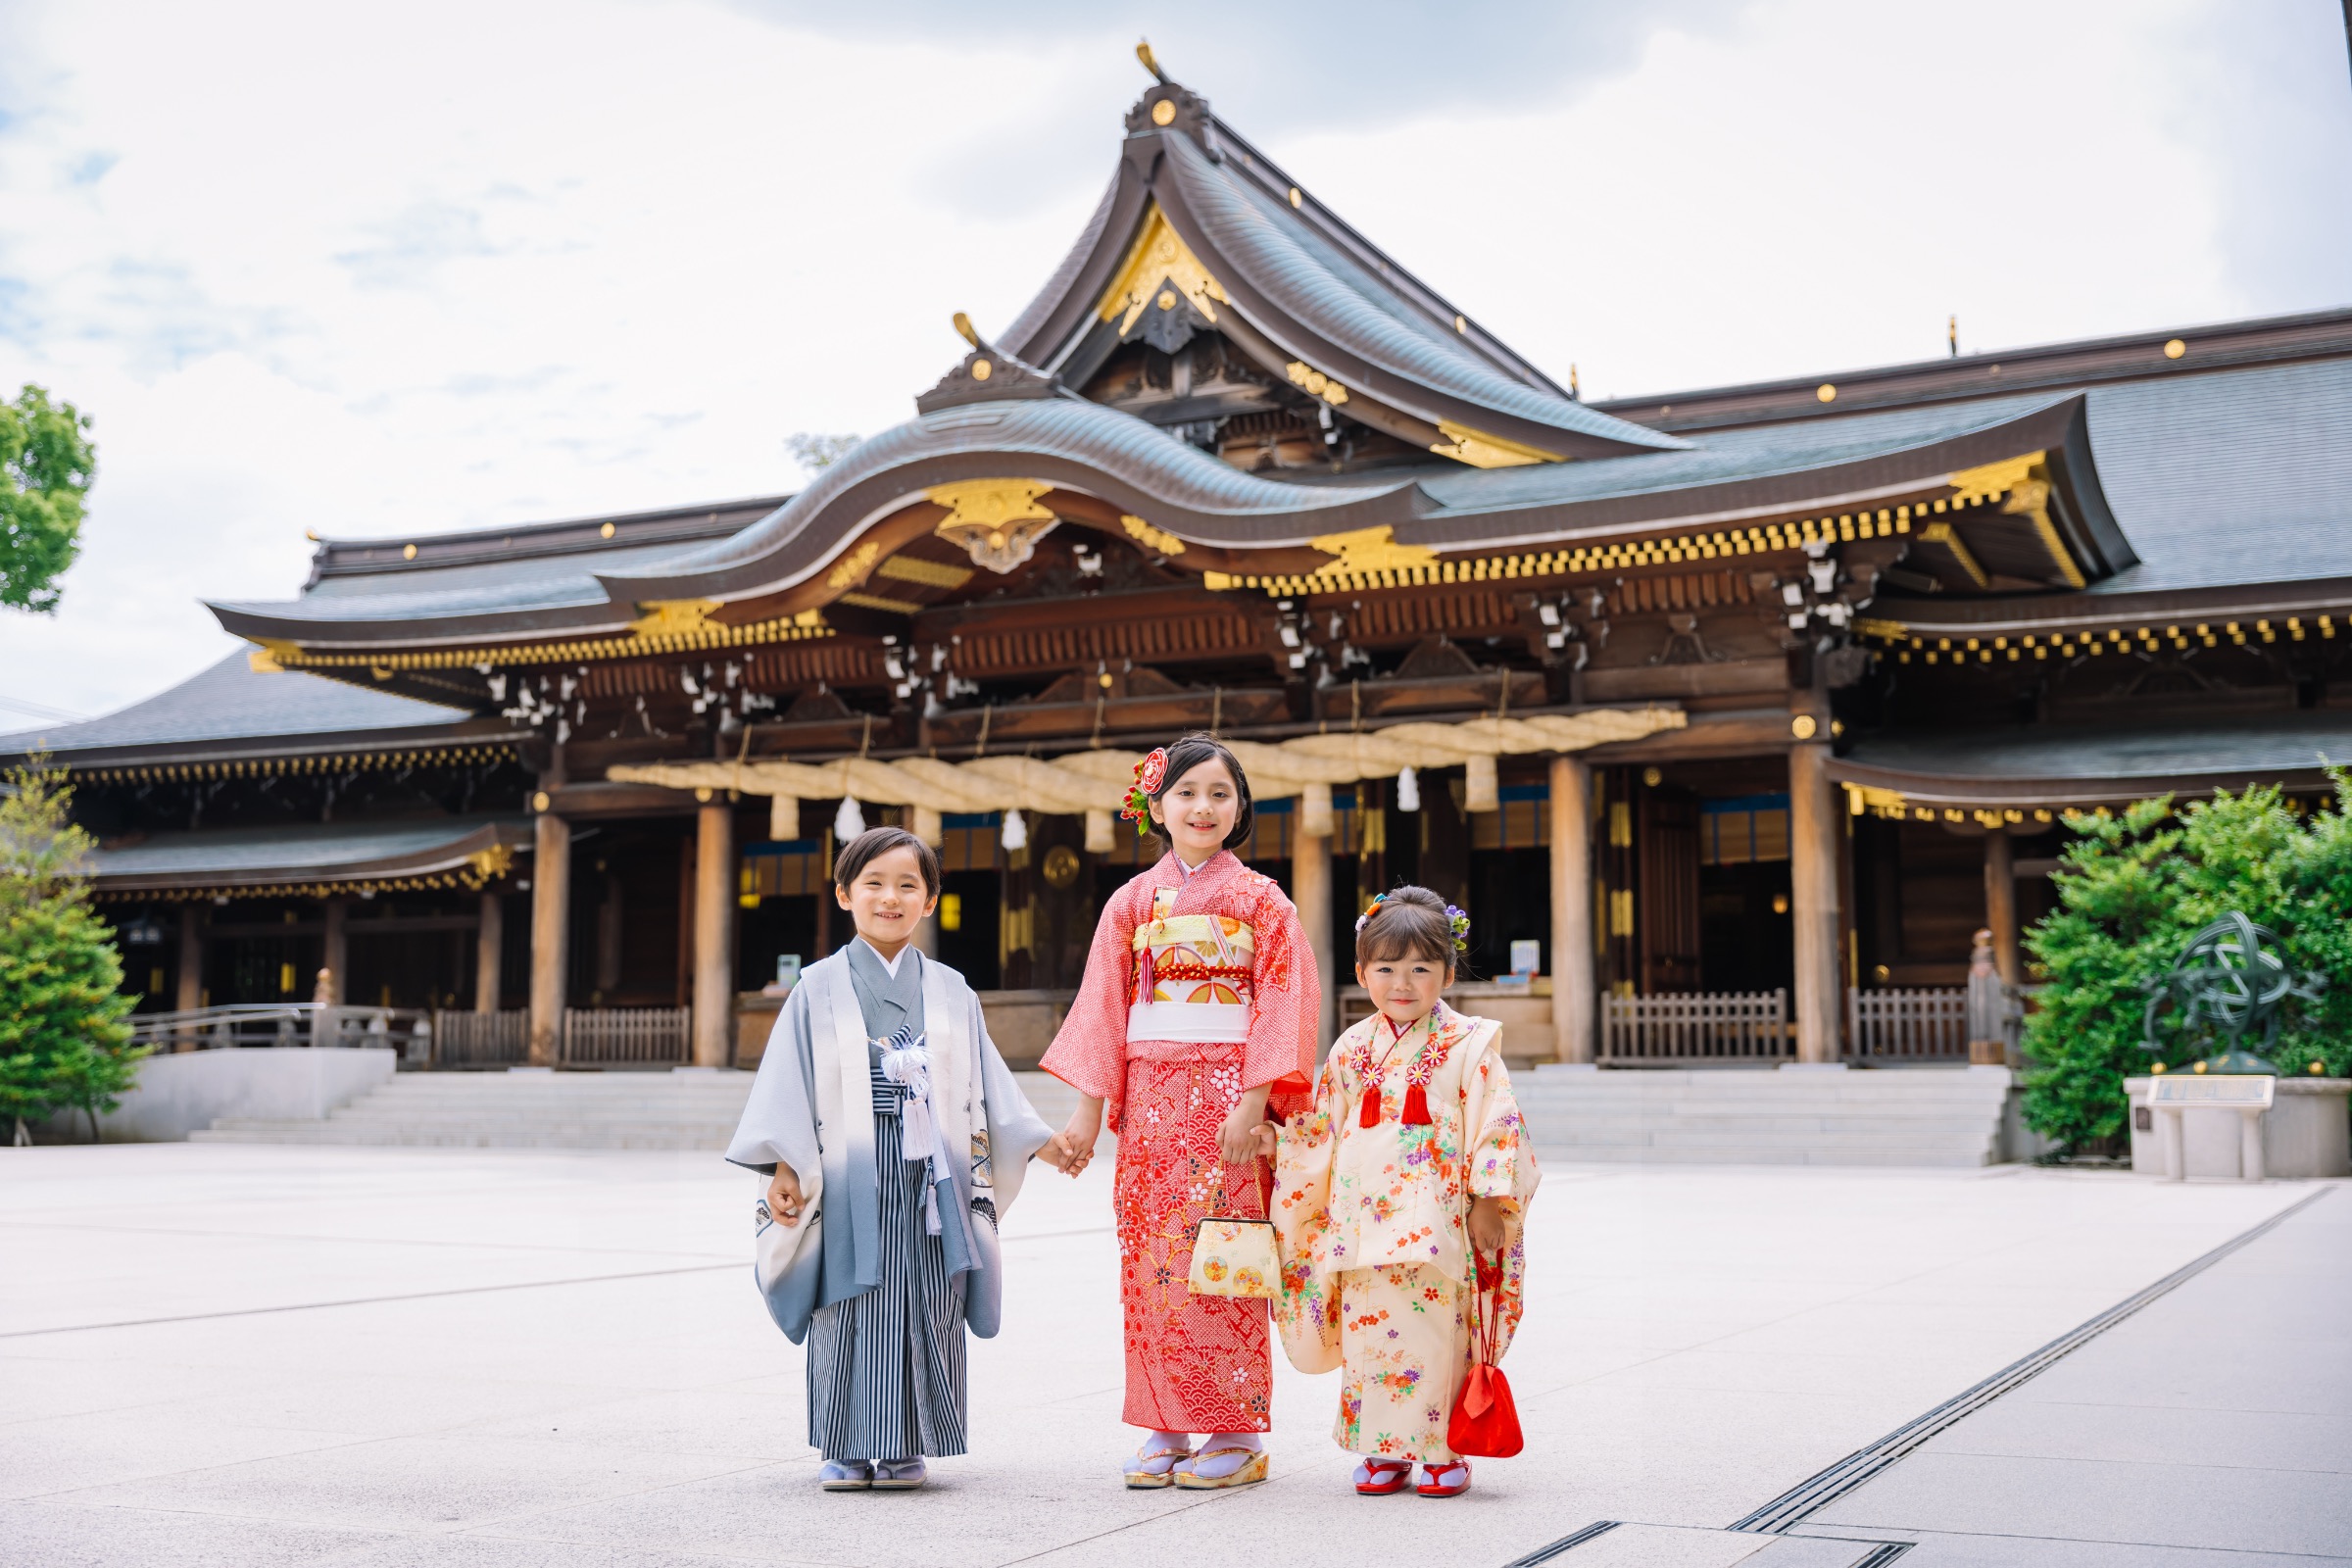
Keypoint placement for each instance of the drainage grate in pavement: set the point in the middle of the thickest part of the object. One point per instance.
(1598, 1527)
(1808, 1497)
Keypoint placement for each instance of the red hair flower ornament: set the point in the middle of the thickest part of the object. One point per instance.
(1149, 774)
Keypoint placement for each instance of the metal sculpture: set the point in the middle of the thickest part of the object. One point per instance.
(2229, 981)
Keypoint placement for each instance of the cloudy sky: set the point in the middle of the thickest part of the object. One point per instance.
(374, 271)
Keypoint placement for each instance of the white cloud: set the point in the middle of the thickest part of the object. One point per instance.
(373, 272)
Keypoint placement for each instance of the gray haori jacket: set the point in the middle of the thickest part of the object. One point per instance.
(812, 1109)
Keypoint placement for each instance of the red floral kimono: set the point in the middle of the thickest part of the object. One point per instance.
(1198, 988)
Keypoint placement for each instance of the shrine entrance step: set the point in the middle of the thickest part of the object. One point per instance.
(1919, 1116)
(683, 1108)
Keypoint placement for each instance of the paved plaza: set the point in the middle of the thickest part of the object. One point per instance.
(260, 1356)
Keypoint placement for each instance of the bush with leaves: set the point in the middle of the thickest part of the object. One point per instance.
(2131, 890)
(64, 1044)
(46, 466)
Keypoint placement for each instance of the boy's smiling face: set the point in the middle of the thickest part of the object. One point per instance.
(887, 898)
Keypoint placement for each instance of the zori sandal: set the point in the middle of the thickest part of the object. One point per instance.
(900, 1475)
(1153, 1467)
(845, 1475)
(1444, 1480)
(1381, 1478)
(1251, 1468)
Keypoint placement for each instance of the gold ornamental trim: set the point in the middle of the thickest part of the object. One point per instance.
(1367, 551)
(280, 767)
(2089, 642)
(1158, 256)
(809, 624)
(1483, 450)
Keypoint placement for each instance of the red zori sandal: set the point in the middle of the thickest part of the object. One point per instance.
(1381, 1478)
(1444, 1480)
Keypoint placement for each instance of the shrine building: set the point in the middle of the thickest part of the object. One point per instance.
(1728, 714)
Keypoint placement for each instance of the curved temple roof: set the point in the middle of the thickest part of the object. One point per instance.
(824, 540)
(1306, 288)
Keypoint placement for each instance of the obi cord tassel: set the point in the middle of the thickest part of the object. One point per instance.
(906, 1063)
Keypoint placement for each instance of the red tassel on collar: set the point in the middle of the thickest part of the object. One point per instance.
(1369, 1117)
(1416, 1107)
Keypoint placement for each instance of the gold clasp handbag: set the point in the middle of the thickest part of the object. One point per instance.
(1235, 1257)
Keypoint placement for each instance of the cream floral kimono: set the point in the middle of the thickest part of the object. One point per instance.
(1376, 1272)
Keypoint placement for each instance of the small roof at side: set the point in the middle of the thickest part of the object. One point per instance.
(231, 707)
(2056, 766)
(310, 857)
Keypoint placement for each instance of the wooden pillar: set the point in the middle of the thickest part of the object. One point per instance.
(335, 955)
(1575, 1004)
(191, 958)
(1813, 831)
(713, 933)
(550, 931)
(2000, 903)
(489, 951)
(1310, 891)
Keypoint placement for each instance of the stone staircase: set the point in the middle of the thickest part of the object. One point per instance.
(1919, 1116)
(686, 1107)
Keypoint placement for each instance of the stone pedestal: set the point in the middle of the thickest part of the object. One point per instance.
(2306, 1133)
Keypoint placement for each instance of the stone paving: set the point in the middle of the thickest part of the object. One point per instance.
(299, 1355)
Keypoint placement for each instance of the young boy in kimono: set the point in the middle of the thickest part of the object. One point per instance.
(1396, 1198)
(893, 1137)
(1198, 1003)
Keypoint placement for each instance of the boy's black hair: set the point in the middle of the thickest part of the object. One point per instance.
(1187, 752)
(1411, 922)
(876, 842)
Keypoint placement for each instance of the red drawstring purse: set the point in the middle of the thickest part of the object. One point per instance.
(1485, 1419)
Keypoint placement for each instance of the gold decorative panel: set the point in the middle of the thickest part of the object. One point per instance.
(998, 520)
(1483, 450)
(1158, 256)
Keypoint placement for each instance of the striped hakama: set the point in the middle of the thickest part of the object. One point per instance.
(886, 1368)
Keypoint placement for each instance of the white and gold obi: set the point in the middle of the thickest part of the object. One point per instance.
(1192, 976)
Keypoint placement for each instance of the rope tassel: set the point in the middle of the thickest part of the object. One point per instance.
(1370, 1115)
(1416, 1107)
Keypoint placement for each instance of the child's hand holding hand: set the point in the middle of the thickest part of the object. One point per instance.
(1073, 1147)
(1265, 1138)
(784, 1200)
(1238, 1139)
(1486, 1224)
(1059, 1154)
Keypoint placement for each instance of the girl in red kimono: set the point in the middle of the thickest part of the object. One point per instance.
(1199, 1004)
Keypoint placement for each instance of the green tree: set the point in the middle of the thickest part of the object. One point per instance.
(2131, 890)
(63, 1038)
(46, 466)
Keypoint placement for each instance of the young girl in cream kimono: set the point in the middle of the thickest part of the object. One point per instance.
(1409, 1171)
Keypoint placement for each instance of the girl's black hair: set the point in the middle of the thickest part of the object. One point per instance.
(874, 843)
(1411, 922)
(1187, 752)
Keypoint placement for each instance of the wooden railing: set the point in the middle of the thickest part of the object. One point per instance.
(1900, 1025)
(407, 1030)
(1696, 1026)
(599, 1037)
(480, 1039)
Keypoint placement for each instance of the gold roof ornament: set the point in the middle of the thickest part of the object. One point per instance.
(998, 521)
(1159, 257)
(673, 617)
(1483, 450)
(1368, 550)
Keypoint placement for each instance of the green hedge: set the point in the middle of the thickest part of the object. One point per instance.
(2132, 891)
